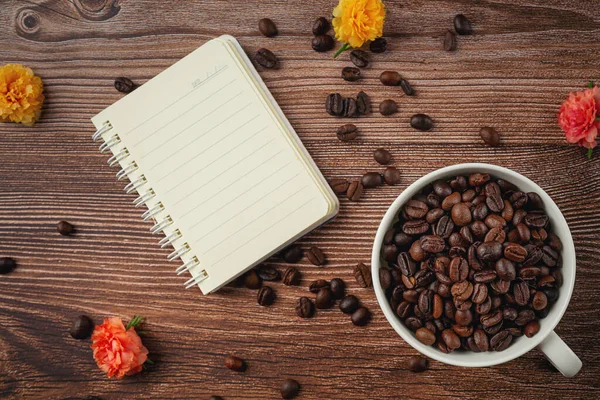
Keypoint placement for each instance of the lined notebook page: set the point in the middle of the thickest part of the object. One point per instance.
(218, 160)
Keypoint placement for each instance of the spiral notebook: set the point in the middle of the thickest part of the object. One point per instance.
(220, 169)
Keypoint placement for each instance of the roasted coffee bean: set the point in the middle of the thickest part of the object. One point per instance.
(442, 188)
(433, 200)
(392, 176)
(478, 179)
(524, 317)
(459, 184)
(390, 78)
(362, 274)
(390, 252)
(305, 307)
(461, 214)
(462, 25)
(81, 328)
(347, 132)
(550, 257)
(210, 398)
(316, 256)
(521, 293)
(540, 301)
(350, 108)
(463, 318)
(449, 41)
(509, 313)
(323, 299)
(554, 242)
(518, 199)
(458, 269)
(404, 309)
(363, 103)
(361, 317)
(385, 278)
(266, 59)
(462, 290)
(292, 254)
(252, 280)
(411, 295)
(425, 301)
(508, 212)
(490, 136)
(490, 251)
(500, 287)
(416, 227)
(289, 389)
(434, 215)
(406, 265)
(479, 229)
(416, 209)
(321, 26)
(450, 201)
(267, 273)
(534, 255)
(505, 269)
(501, 341)
(266, 296)
(316, 286)
(423, 278)
(65, 228)
(422, 122)
(491, 319)
(418, 364)
(382, 156)
(515, 252)
(378, 45)
(438, 306)
(372, 180)
(493, 195)
(451, 339)
(530, 273)
(334, 104)
(485, 307)
(355, 191)
(473, 259)
(407, 87)
(414, 323)
(322, 43)
(349, 304)
(350, 74)
(532, 328)
(291, 276)
(359, 58)
(432, 243)
(481, 340)
(124, 85)
(338, 288)
(7, 264)
(267, 27)
(480, 293)
(496, 234)
(235, 363)
(388, 107)
(425, 336)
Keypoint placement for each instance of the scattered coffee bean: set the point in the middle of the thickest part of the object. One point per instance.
(382, 156)
(292, 254)
(322, 43)
(316, 286)
(363, 103)
(388, 107)
(362, 274)
(315, 256)
(421, 122)
(339, 186)
(334, 105)
(82, 327)
(349, 304)
(350, 108)
(361, 317)
(266, 59)
(418, 364)
(378, 45)
(407, 87)
(267, 27)
(266, 296)
(323, 299)
(390, 78)
(359, 58)
(289, 389)
(321, 26)
(391, 175)
(291, 276)
(347, 132)
(372, 180)
(338, 288)
(350, 74)
(7, 264)
(65, 228)
(304, 307)
(450, 41)
(235, 363)
(213, 398)
(267, 273)
(252, 280)
(490, 136)
(124, 85)
(355, 191)
(462, 25)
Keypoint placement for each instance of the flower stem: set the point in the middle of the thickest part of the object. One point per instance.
(134, 322)
(344, 47)
(590, 84)
(589, 153)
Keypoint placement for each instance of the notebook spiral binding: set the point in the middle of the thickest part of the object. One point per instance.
(137, 184)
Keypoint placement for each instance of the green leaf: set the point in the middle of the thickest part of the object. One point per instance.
(344, 47)
(134, 322)
(590, 84)
(589, 153)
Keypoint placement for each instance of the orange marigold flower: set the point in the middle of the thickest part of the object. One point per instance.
(21, 95)
(358, 21)
(579, 117)
(118, 351)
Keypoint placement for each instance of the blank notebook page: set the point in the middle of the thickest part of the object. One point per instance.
(219, 161)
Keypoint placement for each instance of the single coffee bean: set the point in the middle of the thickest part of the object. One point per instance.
(323, 299)
(359, 58)
(388, 107)
(458, 270)
(378, 45)
(347, 132)
(480, 293)
(361, 317)
(65, 228)
(124, 85)
(316, 256)
(417, 363)
(442, 188)
(490, 251)
(322, 43)
(372, 180)
(462, 290)
(210, 398)
(349, 304)
(444, 227)
(540, 301)
(390, 78)
(478, 179)
(432, 243)
(334, 104)
(355, 191)
(291, 276)
(235, 363)
(450, 201)
(451, 339)
(321, 26)
(82, 327)
(461, 214)
(392, 176)
(425, 336)
(350, 108)
(338, 288)
(292, 254)
(421, 122)
(449, 41)
(406, 265)
(304, 307)
(501, 341)
(416, 227)
(362, 274)
(490, 136)
(7, 264)
(416, 209)
(550, 257)
(267, 273)
(289, 389)
(524, 317)
(505, 269)
(382, 156)
(462, 25)
(265, 296)
(434, 215)
(532, 328)
(350, 74)
(515, 252)
(481, 340)
(316, 286)
(267, 27)
(339, 186)
(463, 319)
(407, 87)
(266, 59)
(363, 103)
(496, 234)
(252, 280)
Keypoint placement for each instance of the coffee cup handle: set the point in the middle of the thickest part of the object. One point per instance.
(560, 355)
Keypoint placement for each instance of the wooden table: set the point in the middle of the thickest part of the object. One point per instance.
(513, 74)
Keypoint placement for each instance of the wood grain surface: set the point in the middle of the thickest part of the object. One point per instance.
(513, 73)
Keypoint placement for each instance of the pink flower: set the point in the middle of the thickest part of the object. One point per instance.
(578, 117)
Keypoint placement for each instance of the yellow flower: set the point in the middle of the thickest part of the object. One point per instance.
(358, 21)
(21, 95)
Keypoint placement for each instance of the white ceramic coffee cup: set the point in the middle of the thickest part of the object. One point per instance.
(557, 352)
